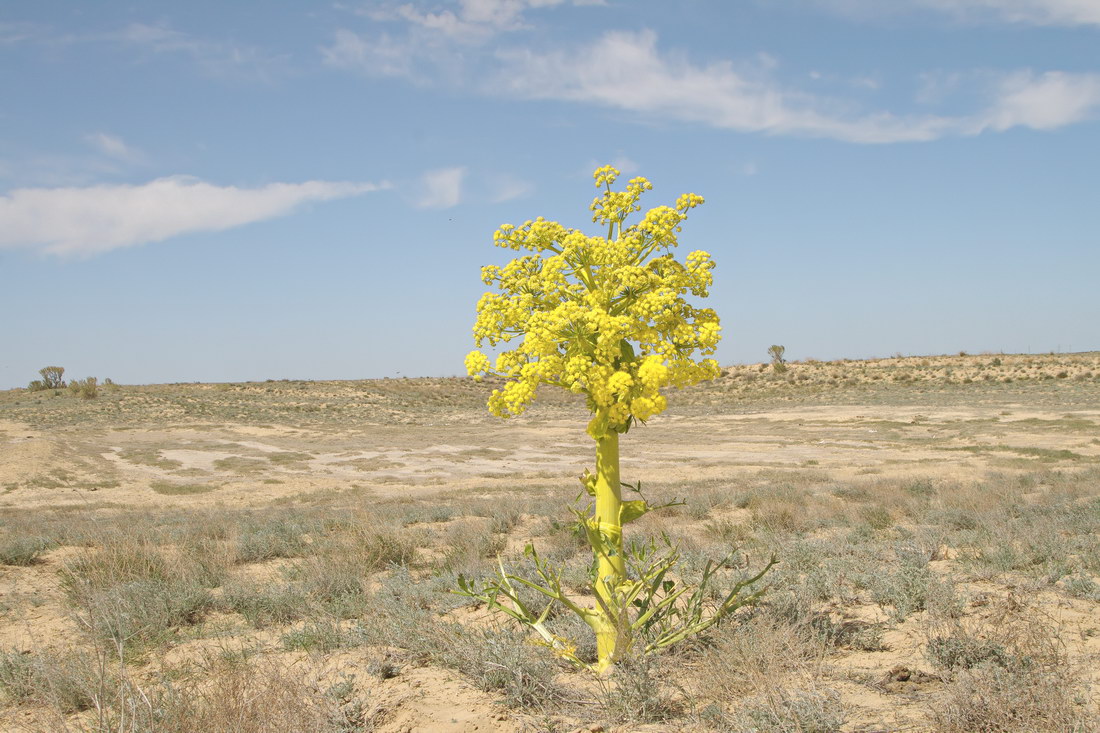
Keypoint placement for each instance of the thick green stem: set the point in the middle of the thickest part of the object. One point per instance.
(610, 563)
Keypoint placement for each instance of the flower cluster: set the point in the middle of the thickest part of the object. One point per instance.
(603, 316)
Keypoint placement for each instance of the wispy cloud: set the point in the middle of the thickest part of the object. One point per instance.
(429, 41)
(472, 21)
(215, 58)
(507, 188)
(442, 188)
(625, 70)
(1031, 12)
(106, 156)
(379, 55)
(95, 219)
(13, 33)
(114, 147)
(475, 22)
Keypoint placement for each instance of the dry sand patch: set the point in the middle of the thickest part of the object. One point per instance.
(845, 488)
(847, 440)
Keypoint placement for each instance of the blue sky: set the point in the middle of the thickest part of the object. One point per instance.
(211, 191)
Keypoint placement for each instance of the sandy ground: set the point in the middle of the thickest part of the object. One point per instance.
(244, 465)
(167, 464)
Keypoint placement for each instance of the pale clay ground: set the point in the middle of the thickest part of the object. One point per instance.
(97, 466)
(845, 441)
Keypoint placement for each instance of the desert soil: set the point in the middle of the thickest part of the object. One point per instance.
(180, 447)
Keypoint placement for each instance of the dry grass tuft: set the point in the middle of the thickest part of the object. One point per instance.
(1009, 671)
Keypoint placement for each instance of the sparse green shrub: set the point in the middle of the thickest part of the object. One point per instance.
(502, 661)
(877, 517)
(430, 513)
(1009, 672)
(142, 611)
(266, 604)
(132, 592)
(751, 657)
(171, 488)
(706, 501)
(22, 550)
(335, 576)
(20, 676)
(470, 545)
(66, 682)
(290, 459)
(262, 697)
(853, 493)
(792, 611)
(921, 488)
(279, 537)
(779, 364)
(321, 636)
(635, 692)
(959, 650)
(790, 711)
(954, 518)
(910, 586)
(728, 531)
(51, 378)
(999, 700)
(384, 666)
(1081, 585)
(86, 389)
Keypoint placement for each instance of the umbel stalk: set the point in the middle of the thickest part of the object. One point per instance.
(611, 566)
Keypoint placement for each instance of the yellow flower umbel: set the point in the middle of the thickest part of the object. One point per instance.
(600, 316)
(606, 317)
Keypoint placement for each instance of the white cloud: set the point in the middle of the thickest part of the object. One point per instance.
(624, 70)
(442, 188)
(114, 147)
(627, 71)
(1038, 12)
(476, 21)
(1044, 102)
(1032, 12)
(95, 219)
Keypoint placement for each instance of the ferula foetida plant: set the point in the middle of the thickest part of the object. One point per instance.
(604, 316)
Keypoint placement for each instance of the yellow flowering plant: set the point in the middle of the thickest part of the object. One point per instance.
(605, 317)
